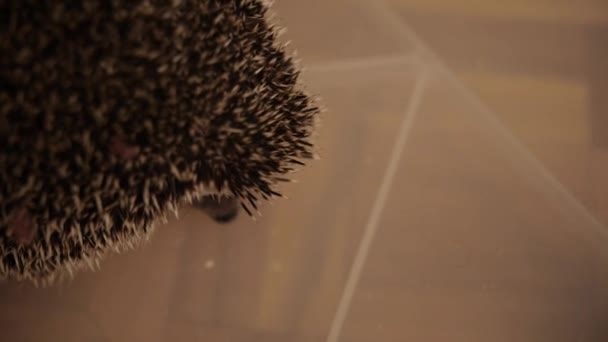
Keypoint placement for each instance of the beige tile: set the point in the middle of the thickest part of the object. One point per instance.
(539, 66)
(586, 11)
(515, 44)
(473, 245)
(30, 315)
(333, 31)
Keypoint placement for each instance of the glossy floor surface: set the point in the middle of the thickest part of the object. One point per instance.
(462, 196)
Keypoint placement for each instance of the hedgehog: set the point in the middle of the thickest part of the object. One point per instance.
(114, 113)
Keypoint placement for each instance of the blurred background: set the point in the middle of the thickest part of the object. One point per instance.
(462, 195)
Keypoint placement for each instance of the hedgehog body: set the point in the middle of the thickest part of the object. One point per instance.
(114, 112)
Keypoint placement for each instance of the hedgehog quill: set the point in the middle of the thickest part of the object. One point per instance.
(113, 113)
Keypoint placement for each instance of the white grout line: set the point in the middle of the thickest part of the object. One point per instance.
(401, 27)
(365, 63)
(371, 227)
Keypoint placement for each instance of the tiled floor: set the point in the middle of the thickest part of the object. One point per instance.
(458, 203)
(541, 67)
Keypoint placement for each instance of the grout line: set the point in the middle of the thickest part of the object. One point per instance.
(409, 116)
(365, 63)
(490, 115)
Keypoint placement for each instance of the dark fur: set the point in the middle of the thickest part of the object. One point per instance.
(113, 112)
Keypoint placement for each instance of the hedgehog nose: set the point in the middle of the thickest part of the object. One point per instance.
(222, 210)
